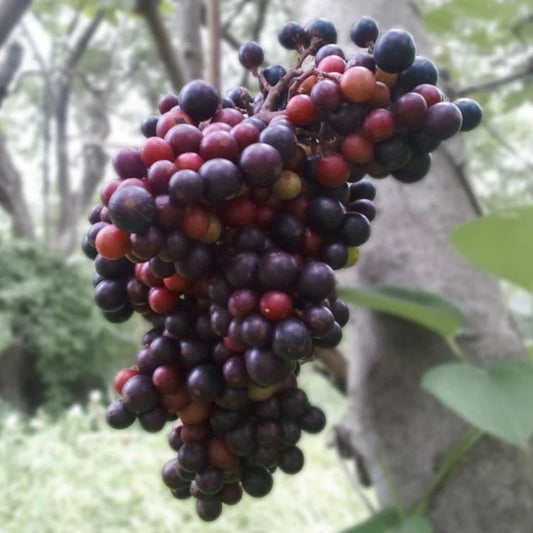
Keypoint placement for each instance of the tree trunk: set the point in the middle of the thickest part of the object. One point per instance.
(189, 22)
(400, 432)
(10, 13)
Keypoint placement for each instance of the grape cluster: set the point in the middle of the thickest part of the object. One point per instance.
(224, 230)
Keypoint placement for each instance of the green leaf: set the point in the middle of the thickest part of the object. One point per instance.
(500, 243)
(390, 521)
(415, 524)
(381, 522)
(498, 400)
(425, 308)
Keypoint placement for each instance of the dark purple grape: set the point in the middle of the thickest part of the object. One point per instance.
(265, 368)
(362, 189)
(443, 120)
(316, 281)
(132, 209)
(250, 239)
(313, 420)
(257, 482)
(277, 270)
(322, 30)
(251, 55)
(185, 187)
(267, 432)
(210, 480)
(341, 312)
(290, 432)
(220, 320)
(139, 394)
(242, 271)
(347, 118)
(364, 32)
(204, 329)
(331, 339)
(174, 438)
(355, 229)
(264, 456)
(240, 96)
(414, 170)
(178, 324)
(112, 268)
(227, 103)
(129, 164)
(281, 138)
(192, 457)
(118, 316)
(88, 249)
(94, 216)
(274, 73)
(422, 143)
(193, 352)
(328, 50)
(325, 215)
(364, 207)
(177, 247)
(164, 351)
(149, 125)
(291, 340)
(319, 320)
(232, 398)
(170, 476)
(394, 51)
(231, 493)
(221, 179)
(219, 291)
(110, 294)
(240, 440)
(261, 165)
(223, 420)
(291, 460)
(393, 153)
(362, 59)
(294, 403)
(287, 231)
(423, 70)
(326, 96)
(199, 100)
(198, 263)
(208, 510)
(150, 335)
(256, 331)
(149, 244)
(234, 372)
(118, 416)
(292, 35)
(471, 112)
(335, 254)
(154, 420)
(204, 382)
(167, 102)
(161, 269)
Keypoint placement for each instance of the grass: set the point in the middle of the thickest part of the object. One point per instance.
(77, 475)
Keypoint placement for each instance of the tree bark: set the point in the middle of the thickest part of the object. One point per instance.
(149, 10)
(189, 22)
(9, 67)
(11, 12)
(12, 198)
(400, 432)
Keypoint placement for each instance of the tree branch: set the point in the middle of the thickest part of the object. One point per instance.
(490, 85)
(149, 10)
(9, 67)
(11, 12)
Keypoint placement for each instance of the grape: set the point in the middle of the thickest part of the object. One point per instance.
(292, 35)
(223, 230)
(364, 32)
(251, 55)
(199, 100)
(394, 51)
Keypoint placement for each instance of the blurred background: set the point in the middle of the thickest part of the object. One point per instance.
(77, 78)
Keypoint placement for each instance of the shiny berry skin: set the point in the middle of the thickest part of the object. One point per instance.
(112, 243)
(301, 110)
(162, 300)
(332, 170)
(275, 305)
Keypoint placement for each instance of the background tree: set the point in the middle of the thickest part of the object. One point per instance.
(401, 433)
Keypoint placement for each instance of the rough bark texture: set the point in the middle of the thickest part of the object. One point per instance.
(397, 429)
